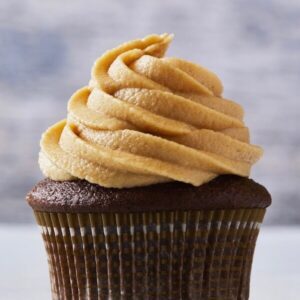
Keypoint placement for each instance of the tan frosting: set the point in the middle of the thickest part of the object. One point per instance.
(146, 119)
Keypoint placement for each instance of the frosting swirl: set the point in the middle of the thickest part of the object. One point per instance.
(146, 119)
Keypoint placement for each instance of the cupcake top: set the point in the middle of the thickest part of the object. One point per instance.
(146, 119)
(81, 196)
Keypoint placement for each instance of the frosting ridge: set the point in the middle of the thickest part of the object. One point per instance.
(145, 119)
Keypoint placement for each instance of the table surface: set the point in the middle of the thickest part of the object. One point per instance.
(24, 274)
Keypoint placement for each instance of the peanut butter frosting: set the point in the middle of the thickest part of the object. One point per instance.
(146, 119)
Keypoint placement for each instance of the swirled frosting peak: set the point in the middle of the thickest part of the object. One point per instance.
(145, 119)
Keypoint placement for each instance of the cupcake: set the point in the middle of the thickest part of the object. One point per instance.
(147, 194)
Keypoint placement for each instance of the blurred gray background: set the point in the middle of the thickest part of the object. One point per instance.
(48, 47)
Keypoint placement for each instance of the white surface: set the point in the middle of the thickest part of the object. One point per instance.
(23, 264)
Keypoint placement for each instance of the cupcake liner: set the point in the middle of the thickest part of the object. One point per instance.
(151, 255)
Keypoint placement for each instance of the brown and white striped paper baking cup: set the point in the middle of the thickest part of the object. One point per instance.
(152, 255)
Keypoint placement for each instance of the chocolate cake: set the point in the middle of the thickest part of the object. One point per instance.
(80, 196)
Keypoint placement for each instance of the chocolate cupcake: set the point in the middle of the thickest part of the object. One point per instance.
(147, 193)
